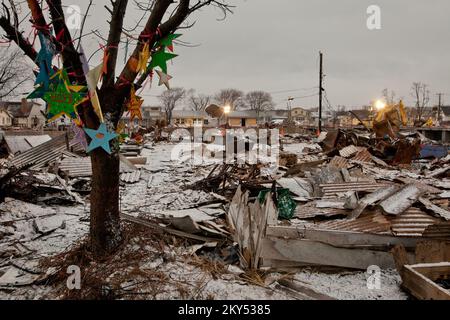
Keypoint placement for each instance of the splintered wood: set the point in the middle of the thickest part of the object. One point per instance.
(248, 222)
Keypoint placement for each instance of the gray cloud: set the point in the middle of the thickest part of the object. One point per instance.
(273, 45)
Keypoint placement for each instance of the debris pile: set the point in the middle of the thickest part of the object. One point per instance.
(355, 201)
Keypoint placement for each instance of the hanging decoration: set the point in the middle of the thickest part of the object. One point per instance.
(92, 79)
(100, 138)
(79, 136)
(160, 58)
(144, 55)
(61, 101)
(44, 60)
(168, 41)
(163, 79)
(134, 105)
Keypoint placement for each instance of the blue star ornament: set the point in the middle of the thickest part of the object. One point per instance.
(100, 138)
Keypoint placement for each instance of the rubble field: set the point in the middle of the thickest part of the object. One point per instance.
(338, 217)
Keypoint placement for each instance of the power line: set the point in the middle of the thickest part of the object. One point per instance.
(293, 90)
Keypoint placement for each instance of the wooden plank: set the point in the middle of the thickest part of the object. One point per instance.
(433, 271)
(422, 287)
(306, 251)
(400, 258)
(340, 238)
(175, 232)
(432, 251)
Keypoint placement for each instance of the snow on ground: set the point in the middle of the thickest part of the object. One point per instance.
(353, 285)
(160, 189)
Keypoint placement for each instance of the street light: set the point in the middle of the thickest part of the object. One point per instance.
(379, 105)
(226, 109)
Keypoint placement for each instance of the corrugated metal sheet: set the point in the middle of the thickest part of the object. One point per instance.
(76, 167)
(81, 167)
(43, 154)
(370, 223)
(331, 189)
(411, 223)
(348, 151)
(363, 156)
(441, 231)
(339, 162)
(131, 177)
(20, 144)
(310, 211)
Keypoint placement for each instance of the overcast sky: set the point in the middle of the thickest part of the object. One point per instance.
(274, 46)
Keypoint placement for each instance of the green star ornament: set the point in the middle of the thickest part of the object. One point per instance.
(61, 101)
(160, 58)
(168, 41)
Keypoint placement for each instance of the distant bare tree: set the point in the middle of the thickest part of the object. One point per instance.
(389, 96)
(169, 100)
(229, 97)
(259, 101)
(197, 102)
(421, 94)
(14, 72)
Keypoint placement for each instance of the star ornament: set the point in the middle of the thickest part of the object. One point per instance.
(163, 79)
(100, 138)
(61, 101)
(168, 41)
(160, 58)
(144, 55)
(134, 105)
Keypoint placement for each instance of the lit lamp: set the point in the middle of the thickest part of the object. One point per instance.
(379, 105)
(226, 111)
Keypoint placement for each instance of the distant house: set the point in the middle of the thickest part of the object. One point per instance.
(327, 117)
(343, 119)
(189, 118)
(25, 114)
(150, 115)
(6, 118)
(273, 115)
(246, 118)
(301, 115)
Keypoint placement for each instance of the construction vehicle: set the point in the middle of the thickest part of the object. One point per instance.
(389, 119)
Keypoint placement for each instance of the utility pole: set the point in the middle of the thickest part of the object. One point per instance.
(289, 106)
(320, 91)
(439, 107)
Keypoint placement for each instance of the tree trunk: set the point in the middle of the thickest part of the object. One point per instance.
(105, 231)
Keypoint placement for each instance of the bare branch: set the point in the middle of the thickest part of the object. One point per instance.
(112, 47)
(129, 73)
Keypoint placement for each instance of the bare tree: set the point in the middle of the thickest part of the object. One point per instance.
(162, 18)
(421, 95)
(389, 96)
(14, 72)
(169, 100)
(229, 97)
(258, 101)
(197, 102)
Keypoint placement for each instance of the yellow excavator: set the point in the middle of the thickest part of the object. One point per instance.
(389, 119)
